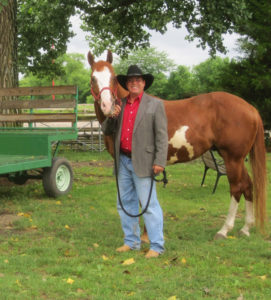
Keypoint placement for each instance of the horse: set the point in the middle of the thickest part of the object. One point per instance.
(217, 120)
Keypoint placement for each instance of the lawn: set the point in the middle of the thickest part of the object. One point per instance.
(65, 248)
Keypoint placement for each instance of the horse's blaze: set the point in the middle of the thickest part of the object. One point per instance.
(178, 141)
(103, 80)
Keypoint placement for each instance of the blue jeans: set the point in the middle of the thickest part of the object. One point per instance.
(132, 188)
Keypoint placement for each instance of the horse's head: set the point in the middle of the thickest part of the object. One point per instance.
(104, 85)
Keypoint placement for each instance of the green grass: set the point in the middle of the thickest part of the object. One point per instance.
(65, 248)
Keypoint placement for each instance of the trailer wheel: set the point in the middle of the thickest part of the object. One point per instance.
(57, 180)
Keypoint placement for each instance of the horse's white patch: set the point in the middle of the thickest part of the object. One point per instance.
(249, 218)
(172, 159)
(229, 223)
(103, 80)
(179, 140)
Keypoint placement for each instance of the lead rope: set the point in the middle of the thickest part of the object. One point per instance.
(117, 183)
(164, 180)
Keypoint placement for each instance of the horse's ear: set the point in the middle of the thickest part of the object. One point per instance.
(90, 59)
(109, 57)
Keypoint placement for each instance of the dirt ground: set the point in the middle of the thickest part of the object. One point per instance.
(6, 221)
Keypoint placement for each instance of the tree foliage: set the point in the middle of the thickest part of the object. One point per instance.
(74, 73)
(209, 75)
(123, 24)
(251, 76)
(119, 25)
(150, 60)
(43, 31)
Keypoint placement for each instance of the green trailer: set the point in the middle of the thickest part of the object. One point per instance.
(33, 123)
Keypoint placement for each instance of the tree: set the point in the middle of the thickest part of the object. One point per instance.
(8, 44)
(74, 73)
(152, 61)
(250, 77)
(43, 32)
(209, 75)
(180, 84)
(120, 25)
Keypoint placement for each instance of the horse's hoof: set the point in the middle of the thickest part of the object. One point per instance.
(244, 233)
(220, 236)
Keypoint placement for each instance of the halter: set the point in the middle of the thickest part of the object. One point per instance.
(114, 93)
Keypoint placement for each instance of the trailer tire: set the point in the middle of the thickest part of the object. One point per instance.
(57, 179)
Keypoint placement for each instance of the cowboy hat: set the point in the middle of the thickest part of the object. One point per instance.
(135, 71)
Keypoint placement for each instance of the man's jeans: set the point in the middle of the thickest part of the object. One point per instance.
(132, 188)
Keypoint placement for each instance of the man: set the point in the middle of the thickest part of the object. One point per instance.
(141, 141)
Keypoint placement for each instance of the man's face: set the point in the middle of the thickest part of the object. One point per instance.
(135, 85)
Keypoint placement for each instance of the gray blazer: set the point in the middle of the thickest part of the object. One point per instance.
(150, 137)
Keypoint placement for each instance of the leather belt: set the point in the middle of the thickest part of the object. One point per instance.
(128, 154)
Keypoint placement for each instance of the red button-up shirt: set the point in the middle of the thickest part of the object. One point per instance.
(129, 116)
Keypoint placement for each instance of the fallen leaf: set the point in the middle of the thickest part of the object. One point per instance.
(231, 237)
(58, 203)
(128, 262)
(95, 245)
(105, 257)
(70, 281)
(6, 261)
(183, 260)
(172, 298)
(67, 227)
(27, 215)
(262, 277)
(18, 283)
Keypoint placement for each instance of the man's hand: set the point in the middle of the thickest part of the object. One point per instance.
(116, 112)
(157, 169)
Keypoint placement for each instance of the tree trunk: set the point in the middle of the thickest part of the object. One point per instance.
(8, 45)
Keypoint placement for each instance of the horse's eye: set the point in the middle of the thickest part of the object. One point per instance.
(93, 80)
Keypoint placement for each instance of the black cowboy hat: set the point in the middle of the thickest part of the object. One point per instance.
(135, 71)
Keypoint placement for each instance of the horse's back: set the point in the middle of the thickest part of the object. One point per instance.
(214, 119)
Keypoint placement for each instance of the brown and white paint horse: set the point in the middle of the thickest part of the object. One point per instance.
(217, 119)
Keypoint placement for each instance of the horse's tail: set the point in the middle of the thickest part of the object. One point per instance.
(258, 164)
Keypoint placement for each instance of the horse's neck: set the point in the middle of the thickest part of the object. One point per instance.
(99, 114)
(122, 93)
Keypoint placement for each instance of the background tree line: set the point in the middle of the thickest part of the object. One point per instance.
(171, 81)
(29, 29)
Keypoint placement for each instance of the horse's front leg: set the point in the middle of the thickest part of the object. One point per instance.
(229, 223)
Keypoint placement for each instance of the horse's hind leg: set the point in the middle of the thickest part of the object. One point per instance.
(240, 183)
(229, 223)
(249, 219)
